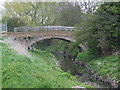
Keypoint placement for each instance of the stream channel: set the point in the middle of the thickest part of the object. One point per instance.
(67, 64)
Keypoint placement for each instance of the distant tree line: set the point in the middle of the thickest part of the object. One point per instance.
(98, 21)
(45, 13)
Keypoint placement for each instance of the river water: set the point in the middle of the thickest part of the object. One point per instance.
(67, 65)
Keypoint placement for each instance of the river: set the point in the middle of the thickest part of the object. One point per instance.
(67, 65)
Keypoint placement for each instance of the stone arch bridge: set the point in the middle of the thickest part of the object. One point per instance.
(30, 35)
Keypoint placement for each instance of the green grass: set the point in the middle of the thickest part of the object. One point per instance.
(1, 37)
(104, 66)
(39, 72)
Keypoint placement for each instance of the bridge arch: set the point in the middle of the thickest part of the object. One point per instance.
(68, 39)
(59, 33)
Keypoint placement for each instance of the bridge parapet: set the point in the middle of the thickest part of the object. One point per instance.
(45, 28)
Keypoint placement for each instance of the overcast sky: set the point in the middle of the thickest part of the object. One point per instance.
(1, 3)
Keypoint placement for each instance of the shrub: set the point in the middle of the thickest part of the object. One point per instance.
(85, 56)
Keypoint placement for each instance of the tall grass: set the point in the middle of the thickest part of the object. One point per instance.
(104, 66)
(39, 71)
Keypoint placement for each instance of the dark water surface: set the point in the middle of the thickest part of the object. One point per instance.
(67, 65)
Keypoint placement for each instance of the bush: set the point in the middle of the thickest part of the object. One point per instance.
(85, 56)
(13, 22)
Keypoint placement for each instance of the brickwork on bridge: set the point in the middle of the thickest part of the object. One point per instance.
(28, 38)
(39, 33)
(30, 35)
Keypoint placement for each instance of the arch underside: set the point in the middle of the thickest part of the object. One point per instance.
(36, 39)
(65, 38)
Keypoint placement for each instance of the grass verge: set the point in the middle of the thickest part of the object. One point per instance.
(104, 66)
(39, 71)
